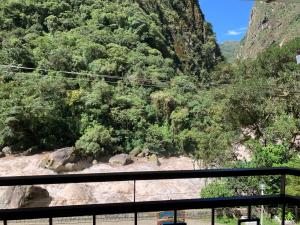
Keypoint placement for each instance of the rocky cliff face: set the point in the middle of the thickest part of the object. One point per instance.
(188, 33)
(270, 23)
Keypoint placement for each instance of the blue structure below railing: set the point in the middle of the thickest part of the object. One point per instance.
(149, 206)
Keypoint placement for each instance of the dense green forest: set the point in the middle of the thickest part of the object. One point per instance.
(110, 76)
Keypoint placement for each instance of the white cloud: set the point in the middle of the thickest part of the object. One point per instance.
(237, 32)
(234, 33)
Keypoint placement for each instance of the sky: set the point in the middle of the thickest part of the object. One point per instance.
(229, 18)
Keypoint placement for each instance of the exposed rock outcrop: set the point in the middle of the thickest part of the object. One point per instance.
(276, 22)
(121, 160)
(24, 197)
(64, 160)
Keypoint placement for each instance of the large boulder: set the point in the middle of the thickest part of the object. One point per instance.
(2, 154)
(7, 151)
(154, 159)
(64, 160)
(24, 197)
(121, 160)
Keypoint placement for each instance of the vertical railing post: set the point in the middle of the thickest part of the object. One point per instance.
(4, 222)
(249, 212)
(50, 221)
(94, 219)
(134, 187)
(282, 185)
(283, 214)
(213, 216)
(134, 200)
(175, 216)
(282, 193)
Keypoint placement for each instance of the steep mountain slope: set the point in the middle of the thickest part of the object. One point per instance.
(187, 32)
(176, 29)
(229, 50)
(270, 23)
(135, 70)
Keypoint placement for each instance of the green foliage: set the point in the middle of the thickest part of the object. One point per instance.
(293, 183)
(229, 50)
(146, 76)
(217, 189)
(270, 155)
(96, 140)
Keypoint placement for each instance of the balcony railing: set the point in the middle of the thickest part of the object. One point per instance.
(136, 207)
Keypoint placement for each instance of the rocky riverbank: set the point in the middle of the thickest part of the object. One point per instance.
(71, 194)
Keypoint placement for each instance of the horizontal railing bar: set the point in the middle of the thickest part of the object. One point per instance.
(148, 175)
(293, 172)
(293, 200)
(150, 206)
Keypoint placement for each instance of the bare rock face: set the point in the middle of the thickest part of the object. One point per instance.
(270, 23)
(64, 160)
(24, 197)
(121, 160)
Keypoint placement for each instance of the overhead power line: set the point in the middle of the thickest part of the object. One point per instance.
(69, 72)
(161, 84)
(91, 77)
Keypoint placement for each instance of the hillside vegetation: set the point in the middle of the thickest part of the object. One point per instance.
(146, 74)
(229, 50)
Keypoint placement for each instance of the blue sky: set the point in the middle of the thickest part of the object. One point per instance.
(229, 18)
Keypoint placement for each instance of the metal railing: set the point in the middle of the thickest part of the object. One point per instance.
(149, 206)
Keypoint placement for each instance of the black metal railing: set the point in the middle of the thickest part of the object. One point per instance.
(149, 206)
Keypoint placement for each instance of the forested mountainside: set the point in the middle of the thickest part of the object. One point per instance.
(139, 47)
(275, 22)
(229, 50)
(111, 76)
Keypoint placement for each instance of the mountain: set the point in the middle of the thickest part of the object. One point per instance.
(187, 32)
(105, 75)
(229, 50)
(276, 22)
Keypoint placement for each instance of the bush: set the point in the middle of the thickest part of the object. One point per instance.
(96, 141)
(216, 189)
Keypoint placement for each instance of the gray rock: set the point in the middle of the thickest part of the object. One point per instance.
(80, 165)
(7, 151)
(154, 159)
(24, 197)
(296, 141)
(141, 155)
(135, 152)
(144, 153)
(121, 159)
(64, 160)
